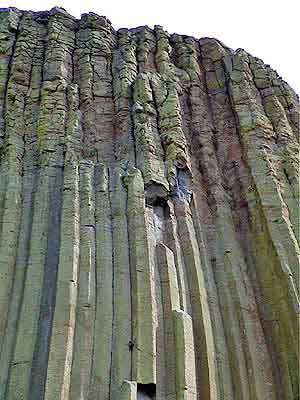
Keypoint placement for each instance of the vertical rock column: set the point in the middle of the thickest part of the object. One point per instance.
(30, 359)
(33, 34)
(102, 336)
(273, 216)
(10, 20)
(149, 152)
(9, 24)
(63, 329)
(142, 283)
(62, 338)
(122, 352)
(13, 129)
(93, 56)
(186, 386)
(202, 325)
(86, 301)
(124, 74)
(180, 362)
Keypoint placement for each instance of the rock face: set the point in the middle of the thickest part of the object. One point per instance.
(149, 216)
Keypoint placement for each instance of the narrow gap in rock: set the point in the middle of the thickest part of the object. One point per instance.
(146, 391)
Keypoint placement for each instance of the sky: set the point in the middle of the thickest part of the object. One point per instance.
(268, 29)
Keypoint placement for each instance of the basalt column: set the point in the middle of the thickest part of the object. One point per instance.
(149, 216)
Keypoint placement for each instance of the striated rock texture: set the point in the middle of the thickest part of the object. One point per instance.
(149, 216)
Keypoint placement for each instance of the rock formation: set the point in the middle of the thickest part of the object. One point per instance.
(149, 216)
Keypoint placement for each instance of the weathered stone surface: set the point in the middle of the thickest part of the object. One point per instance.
(149, 216)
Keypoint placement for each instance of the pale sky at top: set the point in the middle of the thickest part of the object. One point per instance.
(265, 28)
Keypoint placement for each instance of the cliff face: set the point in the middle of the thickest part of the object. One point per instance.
(149, 216)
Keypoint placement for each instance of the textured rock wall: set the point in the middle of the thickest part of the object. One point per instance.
(149, 216)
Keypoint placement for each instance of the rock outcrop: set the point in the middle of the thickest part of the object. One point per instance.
(149, 216)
